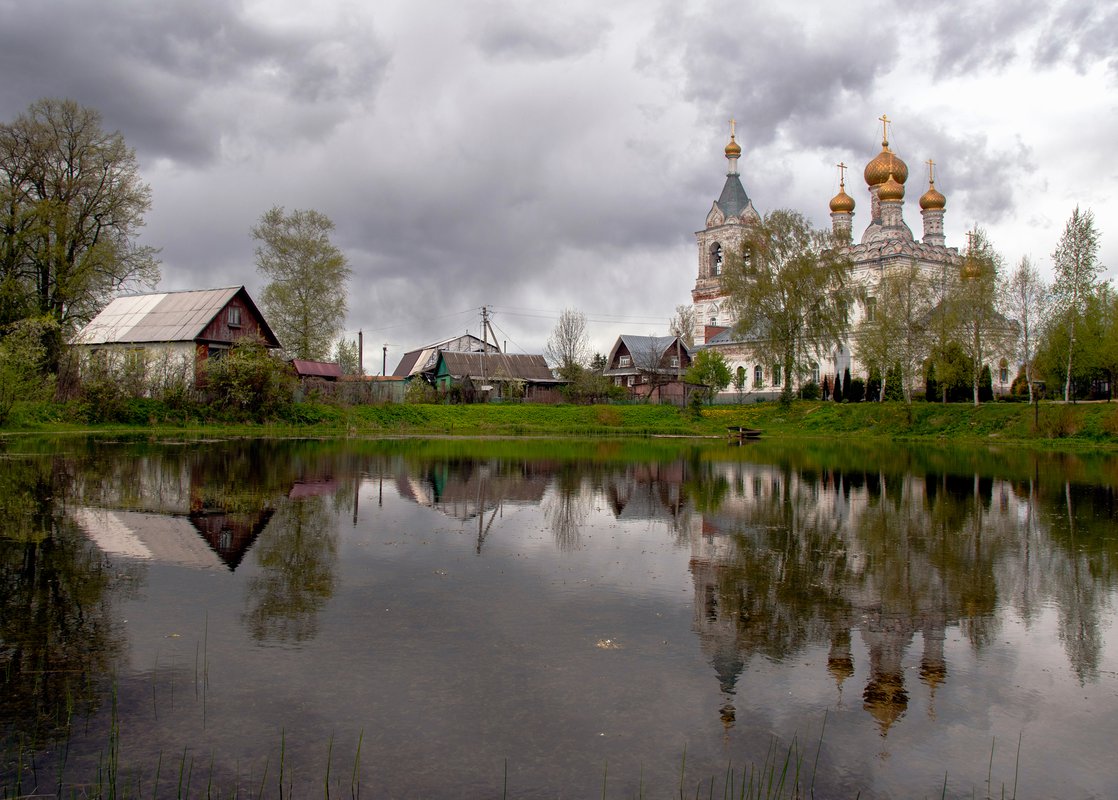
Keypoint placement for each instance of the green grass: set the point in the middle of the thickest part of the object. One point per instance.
(1051, 425)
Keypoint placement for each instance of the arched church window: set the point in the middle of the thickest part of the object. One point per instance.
(871, 308)
(716, 259)
(741, 376)
(814, 372)
(758, 377)
(777, 375)
(1003, 371)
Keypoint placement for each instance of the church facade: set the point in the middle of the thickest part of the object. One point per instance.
(886, 245)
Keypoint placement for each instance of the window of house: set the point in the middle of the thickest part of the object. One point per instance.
(234, 317)
(758, 377)
(675, 361)
(632, 382)
(776, 375)
(625, 361)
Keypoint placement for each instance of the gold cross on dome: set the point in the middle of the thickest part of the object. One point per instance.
(842, 173)
(931, 171)
(884, 129)
(733, 122)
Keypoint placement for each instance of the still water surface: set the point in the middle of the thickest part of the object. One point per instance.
(447, 619)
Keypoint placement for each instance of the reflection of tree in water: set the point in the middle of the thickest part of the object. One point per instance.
(56, 636)
(567, 506)
(1082, 525)
(297, 555)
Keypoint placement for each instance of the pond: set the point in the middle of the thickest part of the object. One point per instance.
(554, 619)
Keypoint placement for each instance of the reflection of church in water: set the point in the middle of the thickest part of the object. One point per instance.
(791, 562)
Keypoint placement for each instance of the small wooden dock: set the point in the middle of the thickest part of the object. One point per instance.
(739, 433)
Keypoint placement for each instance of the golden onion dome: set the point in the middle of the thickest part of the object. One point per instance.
(842, 203)
(890, 189)
(733, 149)
(932, 200)
(972, 268)
(883, 165)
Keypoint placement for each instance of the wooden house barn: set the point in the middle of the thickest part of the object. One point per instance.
(168, 336)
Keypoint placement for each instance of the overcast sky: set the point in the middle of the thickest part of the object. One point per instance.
(537, 157)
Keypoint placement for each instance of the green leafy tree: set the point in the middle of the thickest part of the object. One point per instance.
(709, 368)
(250, 380)
(1076, 268)
(71, 208)
(790, 292)
(346, 356)
(896, 333)
(982, 330)
(22, 361)
(305, 299)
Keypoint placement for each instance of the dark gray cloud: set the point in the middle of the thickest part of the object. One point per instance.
(182, 78)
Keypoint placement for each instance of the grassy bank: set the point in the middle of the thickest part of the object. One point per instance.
(1052, 424)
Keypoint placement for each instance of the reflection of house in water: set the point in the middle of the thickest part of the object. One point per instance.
(466, 489)
(652, 491)
(201, 540)
(790, 560)
(154, 508)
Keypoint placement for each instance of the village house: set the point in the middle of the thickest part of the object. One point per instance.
(651, 367)
(164, 337)
(423, 359)
(481, 377)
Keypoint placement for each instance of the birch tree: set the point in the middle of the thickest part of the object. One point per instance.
(1076, 268)
(1026, 300)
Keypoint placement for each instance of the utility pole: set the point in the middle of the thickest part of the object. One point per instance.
(360, 353)
(484, 343)
(384, 359)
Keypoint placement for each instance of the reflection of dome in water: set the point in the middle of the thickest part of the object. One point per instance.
(933, 672)
(728, 714)
(841, 668)
(886, 700)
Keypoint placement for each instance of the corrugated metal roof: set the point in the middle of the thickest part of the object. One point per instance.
(316, 369)
(157, 317)
(499, 365)
(424, 358)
